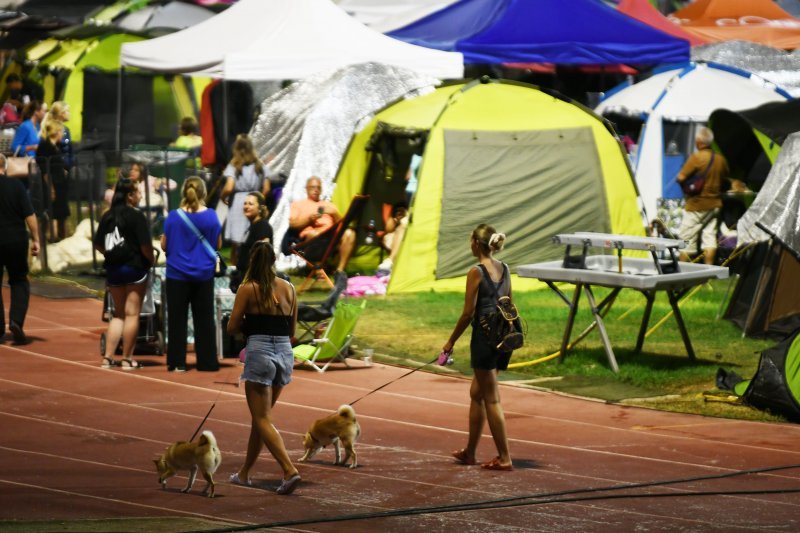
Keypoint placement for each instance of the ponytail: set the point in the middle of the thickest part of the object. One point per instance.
(193, 194)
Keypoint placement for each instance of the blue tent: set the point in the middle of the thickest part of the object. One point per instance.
(567, 32)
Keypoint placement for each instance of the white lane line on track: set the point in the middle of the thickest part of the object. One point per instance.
(124, 502)
(239, 395)
(376, 447)
(447, 516)
(640, 430)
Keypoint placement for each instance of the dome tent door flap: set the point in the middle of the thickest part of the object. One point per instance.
(530, 184)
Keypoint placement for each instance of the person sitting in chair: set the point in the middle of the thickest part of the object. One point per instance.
(395, 228)
(311, 217)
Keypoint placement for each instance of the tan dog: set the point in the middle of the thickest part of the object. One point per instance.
(332, 429)
(203, 455)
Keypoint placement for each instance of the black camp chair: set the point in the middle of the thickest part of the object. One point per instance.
(311, 314)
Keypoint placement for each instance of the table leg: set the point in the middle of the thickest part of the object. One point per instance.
(673, 301)
(218, 320)
(573, 308)
(603, 334)
(645, 320)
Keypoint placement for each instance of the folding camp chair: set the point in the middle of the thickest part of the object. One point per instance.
(306, 249)
(311, 314)
(335, 342)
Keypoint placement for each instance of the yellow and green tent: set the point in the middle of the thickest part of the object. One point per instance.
(532, 163)
(83, 73)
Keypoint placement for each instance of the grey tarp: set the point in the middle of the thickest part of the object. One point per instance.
(530, 184)
(777, 206)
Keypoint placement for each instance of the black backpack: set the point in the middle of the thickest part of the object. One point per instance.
(503, 327)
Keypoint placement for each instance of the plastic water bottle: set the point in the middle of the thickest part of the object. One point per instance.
(370, 238)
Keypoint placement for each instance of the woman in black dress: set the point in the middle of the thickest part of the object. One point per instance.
(486, 281)
(50, 159)
(255, 210)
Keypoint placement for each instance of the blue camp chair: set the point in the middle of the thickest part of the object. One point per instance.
(334, 344)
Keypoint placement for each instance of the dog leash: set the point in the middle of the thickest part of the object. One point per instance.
(213, 404)
(196, 431)
(444, 358)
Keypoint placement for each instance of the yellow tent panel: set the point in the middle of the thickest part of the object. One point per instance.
(493, 148)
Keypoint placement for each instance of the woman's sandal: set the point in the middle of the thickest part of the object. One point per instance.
(288, 485)
(236, 480)
(461, 457)
(495, 464)
(107, 362)
(129, 364)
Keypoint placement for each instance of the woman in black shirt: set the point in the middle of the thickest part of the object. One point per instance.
(124, 239)
(50, 159)
(255, 209)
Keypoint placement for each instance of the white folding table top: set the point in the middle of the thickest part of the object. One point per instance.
(609, 240)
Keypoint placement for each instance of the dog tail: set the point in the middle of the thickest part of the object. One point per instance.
(207, 438)
(347, 412)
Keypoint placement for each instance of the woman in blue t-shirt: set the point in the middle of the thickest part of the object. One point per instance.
(26, 138)
(190, 276)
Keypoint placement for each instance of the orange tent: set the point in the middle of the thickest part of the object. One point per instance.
(757, 21)
(643, 11)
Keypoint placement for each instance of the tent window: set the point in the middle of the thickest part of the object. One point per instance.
(678, 146)
(521, 183)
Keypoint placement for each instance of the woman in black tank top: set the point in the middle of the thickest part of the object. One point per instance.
(266, 310)
(484, 358)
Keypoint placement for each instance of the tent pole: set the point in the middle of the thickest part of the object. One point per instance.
(225, 113)
(118, 141)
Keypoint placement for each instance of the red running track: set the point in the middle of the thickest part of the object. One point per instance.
(77, 442)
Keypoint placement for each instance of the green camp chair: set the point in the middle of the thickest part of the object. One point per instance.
(335, 342)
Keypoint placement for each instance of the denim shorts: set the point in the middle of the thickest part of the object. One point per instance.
(269, 360)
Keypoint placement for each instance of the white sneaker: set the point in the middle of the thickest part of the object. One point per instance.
(386, 265)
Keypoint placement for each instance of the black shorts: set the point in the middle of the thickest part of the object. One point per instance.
(118, 276)
(484, 356)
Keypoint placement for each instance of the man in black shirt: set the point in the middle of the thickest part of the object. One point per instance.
(16, 212)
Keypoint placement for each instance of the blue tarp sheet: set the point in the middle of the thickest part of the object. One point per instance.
(567, 32)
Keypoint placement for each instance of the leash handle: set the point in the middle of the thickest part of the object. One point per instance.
(445, 358)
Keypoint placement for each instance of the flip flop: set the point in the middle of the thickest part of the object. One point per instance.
(236, 480)
(461, 457)
(288, 485)
(495, 464)
(129, 364)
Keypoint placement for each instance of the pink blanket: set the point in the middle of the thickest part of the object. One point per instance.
(366, 285)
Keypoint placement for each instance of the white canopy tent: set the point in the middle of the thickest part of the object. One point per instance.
(257, 40)
(672, 104)
(387, 15)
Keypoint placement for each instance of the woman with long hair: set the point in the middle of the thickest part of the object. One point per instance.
(255, 210)
(486, 281)
(51, 163)
(244, 174)
(265, 309)
(124, 239)
(191, 236)
(59, 112)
